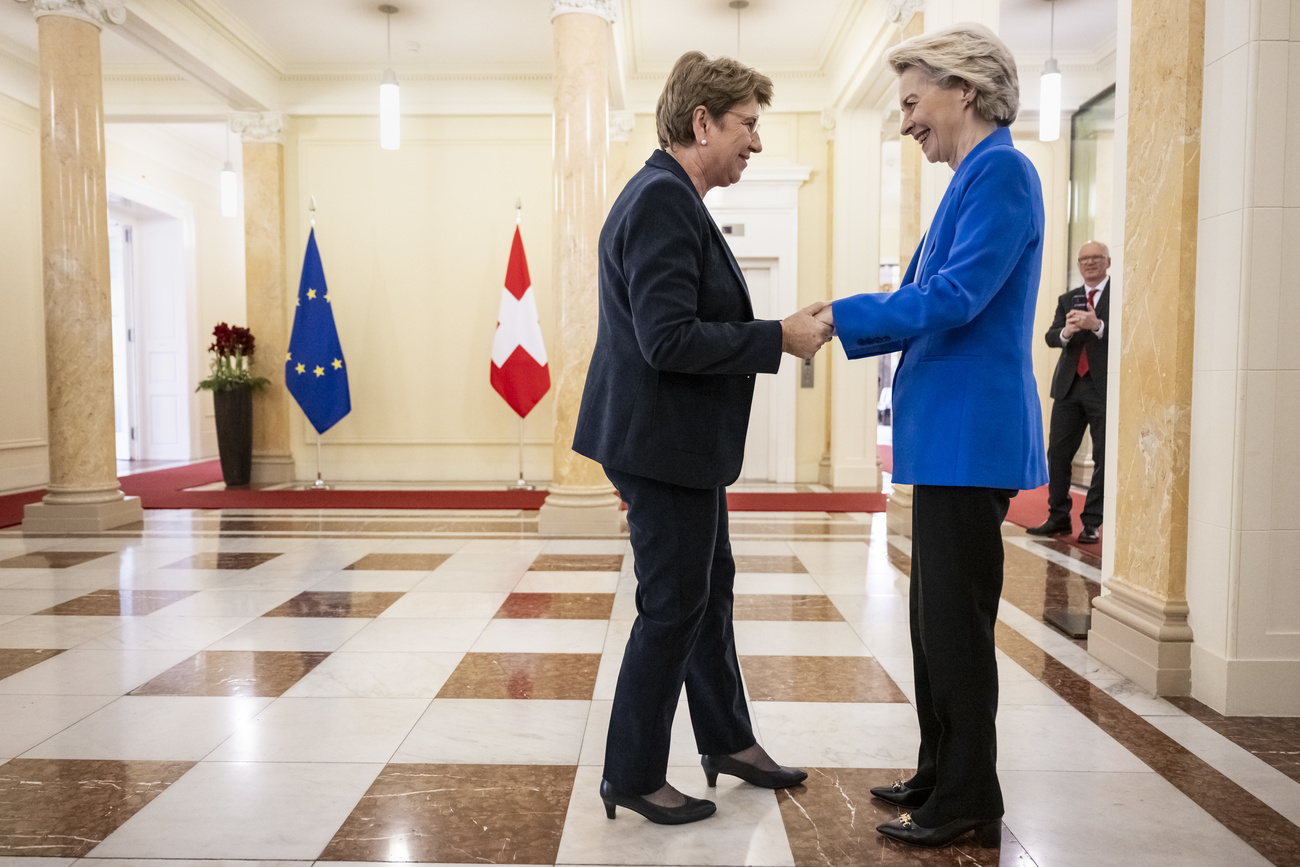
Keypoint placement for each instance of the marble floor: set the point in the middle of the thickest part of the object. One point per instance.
(356, 687)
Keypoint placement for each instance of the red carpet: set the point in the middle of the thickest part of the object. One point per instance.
(166, 489)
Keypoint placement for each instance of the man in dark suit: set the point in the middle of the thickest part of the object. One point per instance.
(1079, 394)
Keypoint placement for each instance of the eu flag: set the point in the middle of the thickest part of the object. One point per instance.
(314, 370)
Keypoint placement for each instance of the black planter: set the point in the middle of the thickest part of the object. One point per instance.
(234, 410)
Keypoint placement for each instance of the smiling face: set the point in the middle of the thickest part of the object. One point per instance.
(732, 139)
(1094, 262)
(937, 117)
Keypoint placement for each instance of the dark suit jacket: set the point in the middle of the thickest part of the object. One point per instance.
(677, 346)
(1080, 341)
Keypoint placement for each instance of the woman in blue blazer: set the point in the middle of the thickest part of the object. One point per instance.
(967, 424)
(664, 411)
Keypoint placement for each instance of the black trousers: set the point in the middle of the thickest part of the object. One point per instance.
(956, 582)
(682, 634)
(1084, 406)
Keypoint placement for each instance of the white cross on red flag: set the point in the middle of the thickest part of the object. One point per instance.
(519, 368)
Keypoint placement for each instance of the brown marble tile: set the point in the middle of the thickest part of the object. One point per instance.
(783, 606)
(118, 603)
(577, 563)
(65, 807)
(549, 676)
(491, 814)
(1060, 546)
(1034, 585)
(1258, 824)
(831, 821)
(401, 562)
(770, 529)
(51, 559)
(13, 661)
(234, 672)
(223, 560)
(557, 606)
(759, 563)
(818, 678)
(342, 603)
(1275, 740)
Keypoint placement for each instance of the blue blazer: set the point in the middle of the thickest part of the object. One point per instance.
(966, 408)
(677, 346)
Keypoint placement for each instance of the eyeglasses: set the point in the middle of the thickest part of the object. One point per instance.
(749, 122)
(1092, 260)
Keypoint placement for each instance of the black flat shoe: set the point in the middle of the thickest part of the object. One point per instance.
(902, 795)
(724, 764)
(988, 832)
(1090, 535)
(693, 810)
(1050, 528)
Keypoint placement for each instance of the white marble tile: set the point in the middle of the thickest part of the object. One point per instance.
(529, 548)
(157, 632)
(497, 731)
(839, 735)
(64, 579)
(225, 602)
(26, 720)
(92, 672)
(584, 546)
(9, 577)
(1039, 738)
(293, 633)
(414, 546)
(607, 676)
(378, 674)
(617, 636)
(341, 730)
(682, 750)
(760, 547)
(19, 602)
(776, 583)
(154, 728)
(746, 830)
(374, 580)
(417, 635)
(266, 810)
(443, 579)
(448, 604)
(624, 604)
(861, 609)
(1078, 818)
(568, 582)
(797, 638)
(188, 862)
(542, 636)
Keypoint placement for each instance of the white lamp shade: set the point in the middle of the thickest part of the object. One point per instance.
(229, 192)
(390, 112)
(1049, 103)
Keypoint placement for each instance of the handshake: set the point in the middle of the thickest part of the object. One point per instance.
(805, 332)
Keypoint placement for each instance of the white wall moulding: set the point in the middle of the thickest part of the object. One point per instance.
(1143, 638)
(259, 126)
(97, 12)
(607, 9)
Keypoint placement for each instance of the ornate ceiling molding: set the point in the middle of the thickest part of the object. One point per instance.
(901, 11)
(96, 12)
(607, 9)
(258, 126)
(621, 124)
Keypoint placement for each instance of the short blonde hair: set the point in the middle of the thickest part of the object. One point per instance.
(971, 53)
(719, 85)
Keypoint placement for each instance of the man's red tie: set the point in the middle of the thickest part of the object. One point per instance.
(1083, 354)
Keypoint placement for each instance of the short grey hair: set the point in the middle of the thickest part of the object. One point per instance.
(971, 53)
(719, 85)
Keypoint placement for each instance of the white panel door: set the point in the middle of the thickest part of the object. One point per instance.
(760, 442)
(122, 296)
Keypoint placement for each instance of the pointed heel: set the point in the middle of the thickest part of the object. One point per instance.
(609, 809)
(989, 835)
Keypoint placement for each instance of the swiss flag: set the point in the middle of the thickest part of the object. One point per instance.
(519, 369)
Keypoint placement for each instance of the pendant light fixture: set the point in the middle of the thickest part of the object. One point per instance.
(390, 100)
(1049, 92)
(229, 193)
(738, 5)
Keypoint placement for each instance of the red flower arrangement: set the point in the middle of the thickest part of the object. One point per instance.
(232, 345)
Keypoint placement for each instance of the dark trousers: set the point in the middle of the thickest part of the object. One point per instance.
(1084, 405)
(682, 634)
(956, 582)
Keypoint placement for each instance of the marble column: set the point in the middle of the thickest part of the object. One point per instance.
(83, 493)
(581, 500)
(1139, 626)
(267, 299)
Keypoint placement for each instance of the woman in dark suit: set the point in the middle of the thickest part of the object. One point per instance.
(967, 425)
(664, 411)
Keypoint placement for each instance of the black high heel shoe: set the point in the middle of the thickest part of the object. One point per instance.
(724, 764)
(902, 795)
(988, 832)
(693, 810)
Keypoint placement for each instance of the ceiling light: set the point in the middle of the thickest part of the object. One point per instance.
(1049, 93)
(390, 100)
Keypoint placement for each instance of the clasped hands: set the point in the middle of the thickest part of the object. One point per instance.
(1080, 320)
(805, 332)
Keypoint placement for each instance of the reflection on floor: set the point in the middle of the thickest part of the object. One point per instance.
(435, 687)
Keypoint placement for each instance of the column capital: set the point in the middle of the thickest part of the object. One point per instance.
(258, 126)
(621, 124)
(901, 11)
(97, 12)
(829, 118)
(607, 9)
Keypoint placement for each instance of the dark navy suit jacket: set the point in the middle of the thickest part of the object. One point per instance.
(966, 409)
(677, 346)
(1067, 366)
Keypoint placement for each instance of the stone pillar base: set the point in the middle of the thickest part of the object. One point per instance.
(273, 470)
(581, 512)
(59, 518)
(898, 511)
(1143, 638)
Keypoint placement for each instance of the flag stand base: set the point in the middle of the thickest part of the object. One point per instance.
(319, 484)
(521, 485)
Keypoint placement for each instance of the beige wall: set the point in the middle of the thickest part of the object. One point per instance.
(24, 457)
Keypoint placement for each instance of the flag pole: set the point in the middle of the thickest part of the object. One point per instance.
(319, 484)
(520, 485)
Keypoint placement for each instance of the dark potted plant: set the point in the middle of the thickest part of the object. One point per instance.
(232, 385)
